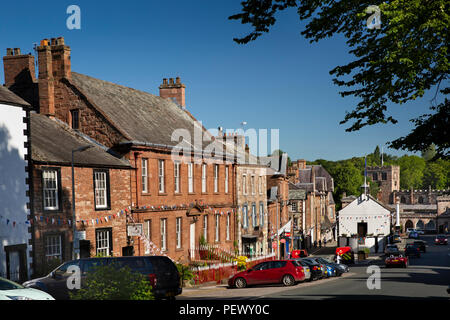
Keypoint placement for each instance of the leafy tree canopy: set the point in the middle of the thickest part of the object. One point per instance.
(397, 62)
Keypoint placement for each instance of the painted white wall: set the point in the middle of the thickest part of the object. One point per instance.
(13, 188)
(364, 209)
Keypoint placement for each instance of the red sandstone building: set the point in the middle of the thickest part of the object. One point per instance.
(176, 201)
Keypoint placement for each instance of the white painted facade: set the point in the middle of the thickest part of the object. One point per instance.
(364, 209)
(13, 188)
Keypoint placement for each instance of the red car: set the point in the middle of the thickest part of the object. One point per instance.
(441, 240)
(396, 261)
(287, 272)
(299, 254)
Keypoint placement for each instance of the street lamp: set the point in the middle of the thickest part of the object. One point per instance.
(75, 246)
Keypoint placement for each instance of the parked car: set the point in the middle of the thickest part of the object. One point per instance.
(420, 231)
(287, 272)
(10, 290)
(315, 268)
(390, 249)
(409, 230)
(346, 253)
(396, 260)
(413, 235)
(339, 268)
(306, 269)
(396, 238)
(162, 272)
(441, 239)
(412, 251)
(323, 267)
(421, 245)
(302, 253)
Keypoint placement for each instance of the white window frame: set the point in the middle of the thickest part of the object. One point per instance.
(178, 232)
(204, 178)
(144, 175)
(260, 185)
(161, 186)
(244, 184)
(226, 178)
(53, 247)
(254, 215)
(148, 232)
(101, 189)
(228, 226)
(190, 177)
(103, 246)
(205, 227)
(252, 184)
(50, 189)
(261, 213)
(163, 228)
(245, 216)
(216, 178)
(176, 176)
(217, 228)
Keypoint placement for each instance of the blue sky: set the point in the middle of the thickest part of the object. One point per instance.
(279, 81)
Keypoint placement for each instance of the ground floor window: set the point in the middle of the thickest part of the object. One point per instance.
(53, 247)
(103, 239)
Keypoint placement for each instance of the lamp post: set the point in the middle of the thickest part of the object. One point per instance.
(75, 246)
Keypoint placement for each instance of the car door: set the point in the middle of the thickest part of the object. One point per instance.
(56, 282)
(277, 271)
(258, 274)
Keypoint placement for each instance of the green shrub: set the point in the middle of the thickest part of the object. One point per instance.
(185, 272)
(109, 282)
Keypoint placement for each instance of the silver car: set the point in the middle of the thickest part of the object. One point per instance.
(306, 269)
(10, 290)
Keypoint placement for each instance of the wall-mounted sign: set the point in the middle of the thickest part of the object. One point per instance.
(135, 230)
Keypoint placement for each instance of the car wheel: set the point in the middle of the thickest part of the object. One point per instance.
(240, 283)
(288, 280)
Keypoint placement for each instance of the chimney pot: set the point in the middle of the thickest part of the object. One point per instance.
(178, 81)
(164, 81)
(171, 81)
(53, 42)
(60, 41)
(44, 43)
(17, 51)
(9, 52)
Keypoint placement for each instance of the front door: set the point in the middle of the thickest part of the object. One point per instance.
(192, 239)
(16, 263)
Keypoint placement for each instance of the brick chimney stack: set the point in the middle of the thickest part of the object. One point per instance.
(173, 90)
(54, 65)
(18, 68)
(46, 80)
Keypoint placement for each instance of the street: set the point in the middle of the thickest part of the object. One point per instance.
(425, 278)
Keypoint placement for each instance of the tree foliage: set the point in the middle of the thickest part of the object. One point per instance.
(108, 282)
(399, 62)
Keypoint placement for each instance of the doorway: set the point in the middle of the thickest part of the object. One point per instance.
(16, 263)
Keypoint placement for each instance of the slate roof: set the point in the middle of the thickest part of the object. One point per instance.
(140, 116)
(296, 193)
(53, 141)
(323, 180)
(9, 98)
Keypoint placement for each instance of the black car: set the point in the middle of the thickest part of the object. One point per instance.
(340, 268)
(412, 250)
(162, 272)
(314, 267)
(421, 245)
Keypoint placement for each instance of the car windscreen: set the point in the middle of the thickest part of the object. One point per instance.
(6, 284)
(296, 263)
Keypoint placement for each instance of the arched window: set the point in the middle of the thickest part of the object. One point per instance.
(403, 199)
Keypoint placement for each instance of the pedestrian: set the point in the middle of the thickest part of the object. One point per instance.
(338, 259)
(324, 242)
(320, 243)
(315, 243)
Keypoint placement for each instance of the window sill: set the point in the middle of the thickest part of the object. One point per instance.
(162, 194)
